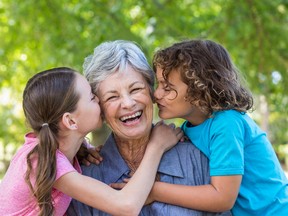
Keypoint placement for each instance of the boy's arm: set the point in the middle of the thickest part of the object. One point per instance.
(218, 196)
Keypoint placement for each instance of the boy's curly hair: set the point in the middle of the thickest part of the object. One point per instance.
(213, 81)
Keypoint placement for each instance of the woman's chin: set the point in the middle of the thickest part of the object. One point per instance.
(136, 132)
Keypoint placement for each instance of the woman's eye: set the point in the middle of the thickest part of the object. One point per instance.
(136, 89)
(110, 98)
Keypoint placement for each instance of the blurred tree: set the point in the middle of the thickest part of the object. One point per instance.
(36, 35)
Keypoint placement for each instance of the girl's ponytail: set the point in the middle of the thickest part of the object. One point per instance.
(47, 96)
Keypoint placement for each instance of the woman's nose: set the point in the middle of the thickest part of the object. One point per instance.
(128, 101)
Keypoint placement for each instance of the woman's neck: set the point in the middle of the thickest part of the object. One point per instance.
(132, 151)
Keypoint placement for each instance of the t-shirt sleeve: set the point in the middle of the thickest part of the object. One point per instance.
(227, 146)
(63, 165)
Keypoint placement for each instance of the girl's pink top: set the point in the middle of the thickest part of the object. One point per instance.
(15, 195)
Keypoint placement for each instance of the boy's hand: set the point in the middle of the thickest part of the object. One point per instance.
(121, 185)
(93, 156)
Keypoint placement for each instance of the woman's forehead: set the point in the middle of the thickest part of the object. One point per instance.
(124, 78)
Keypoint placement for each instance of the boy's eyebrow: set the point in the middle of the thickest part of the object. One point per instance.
(170, 84)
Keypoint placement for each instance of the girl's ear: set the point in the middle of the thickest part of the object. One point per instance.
(68, 121)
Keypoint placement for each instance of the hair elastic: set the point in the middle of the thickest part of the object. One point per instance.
(45, 124)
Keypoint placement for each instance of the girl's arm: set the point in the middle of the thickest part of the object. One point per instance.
(218, 196)
(131, 198)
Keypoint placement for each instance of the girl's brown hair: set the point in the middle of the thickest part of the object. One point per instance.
(47, 96)
(213, 81)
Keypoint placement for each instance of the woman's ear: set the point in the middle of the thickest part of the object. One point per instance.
(68, 121)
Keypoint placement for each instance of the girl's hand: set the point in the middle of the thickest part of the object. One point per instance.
(165, 136)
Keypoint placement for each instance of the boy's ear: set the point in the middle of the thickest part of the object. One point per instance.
(69, 122)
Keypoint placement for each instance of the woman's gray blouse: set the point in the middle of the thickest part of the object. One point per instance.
(183, 164)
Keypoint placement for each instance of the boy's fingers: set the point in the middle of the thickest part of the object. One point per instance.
(93, 160)
(172, 125)
(117, 185)
(86, 162)
(159, 122)
(98, 148)
(126, 180)
(94, 155)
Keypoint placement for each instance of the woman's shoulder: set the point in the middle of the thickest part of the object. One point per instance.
(185, 148)
(187, 156)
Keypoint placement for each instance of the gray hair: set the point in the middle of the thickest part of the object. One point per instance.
(115, 56)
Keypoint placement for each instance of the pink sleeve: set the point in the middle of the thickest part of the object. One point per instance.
(63, 165)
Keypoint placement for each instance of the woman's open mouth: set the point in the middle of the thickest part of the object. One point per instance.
(131, 118)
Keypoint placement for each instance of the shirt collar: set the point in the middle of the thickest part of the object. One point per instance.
(113, 163)
(169, 165)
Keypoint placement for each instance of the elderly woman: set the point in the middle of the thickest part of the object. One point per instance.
(123, 80)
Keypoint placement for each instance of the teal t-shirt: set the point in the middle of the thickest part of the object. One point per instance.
(235, 145)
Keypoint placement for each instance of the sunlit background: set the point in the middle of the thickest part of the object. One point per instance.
(37, 35)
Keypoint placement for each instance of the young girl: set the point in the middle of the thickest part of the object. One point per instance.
(44, 174)
(198, 82)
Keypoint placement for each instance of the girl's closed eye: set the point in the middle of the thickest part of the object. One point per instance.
(94, 97)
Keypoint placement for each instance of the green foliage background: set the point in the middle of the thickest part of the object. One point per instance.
(37, 35)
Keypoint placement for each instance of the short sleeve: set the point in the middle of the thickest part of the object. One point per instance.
(227, 145)
(63, 165)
